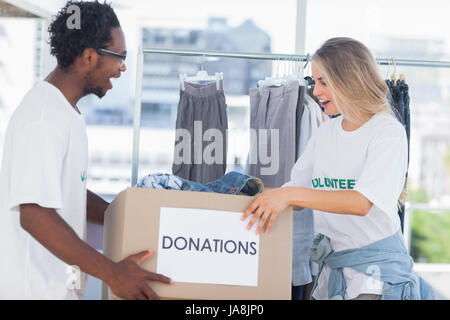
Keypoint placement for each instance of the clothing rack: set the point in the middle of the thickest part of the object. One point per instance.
(239, 55)
(291, 57)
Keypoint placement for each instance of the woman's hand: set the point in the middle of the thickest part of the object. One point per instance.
(266, 207)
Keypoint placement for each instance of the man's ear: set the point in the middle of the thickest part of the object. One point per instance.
(89, 58)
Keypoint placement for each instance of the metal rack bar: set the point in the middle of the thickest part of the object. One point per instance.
(225, 54)
(239, 55)
(137, 116)
(291, 57)
(414, 63)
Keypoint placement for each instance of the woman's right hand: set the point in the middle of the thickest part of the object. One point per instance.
(266, 207)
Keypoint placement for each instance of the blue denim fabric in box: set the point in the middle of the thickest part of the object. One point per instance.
(231, 183)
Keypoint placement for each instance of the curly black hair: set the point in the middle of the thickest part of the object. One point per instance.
(68, 42)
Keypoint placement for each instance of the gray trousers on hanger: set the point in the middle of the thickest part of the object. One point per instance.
(201, 133)
(272, 120)
(282, 108)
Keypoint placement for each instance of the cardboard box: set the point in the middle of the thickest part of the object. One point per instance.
(132, 224)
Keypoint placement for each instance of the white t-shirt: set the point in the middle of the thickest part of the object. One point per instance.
(371, 160)
(44, 162)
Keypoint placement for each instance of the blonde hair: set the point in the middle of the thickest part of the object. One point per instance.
(350, 71)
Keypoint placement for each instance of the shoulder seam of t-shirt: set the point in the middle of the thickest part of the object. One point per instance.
(391, 121)
(380, 133)
(393, 133)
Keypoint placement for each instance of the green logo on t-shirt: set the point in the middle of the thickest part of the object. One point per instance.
(342, 184)
(83, 175)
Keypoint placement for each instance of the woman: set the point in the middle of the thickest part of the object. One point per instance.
(351, 174)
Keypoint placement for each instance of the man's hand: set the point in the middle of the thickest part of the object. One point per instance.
(130, 281)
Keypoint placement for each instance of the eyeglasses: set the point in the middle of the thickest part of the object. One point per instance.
(113, 54)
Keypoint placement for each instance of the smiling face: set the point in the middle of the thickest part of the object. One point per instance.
(322, 92)
(98, 79)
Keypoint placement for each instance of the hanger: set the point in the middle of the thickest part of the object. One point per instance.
(295, 75)
(279, 80)
(309, 81)
(201, 75)
(301, 69)
(272, 81)
(388, 69)
(394, 75)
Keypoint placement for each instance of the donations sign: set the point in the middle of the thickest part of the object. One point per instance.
(207, 246)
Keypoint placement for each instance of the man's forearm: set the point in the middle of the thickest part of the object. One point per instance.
(48, 228)
(96, 207)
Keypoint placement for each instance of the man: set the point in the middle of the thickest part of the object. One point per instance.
(44, 202)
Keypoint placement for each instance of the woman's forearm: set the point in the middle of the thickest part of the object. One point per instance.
(340, 202)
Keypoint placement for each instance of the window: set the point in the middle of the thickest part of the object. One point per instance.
(249, 26)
